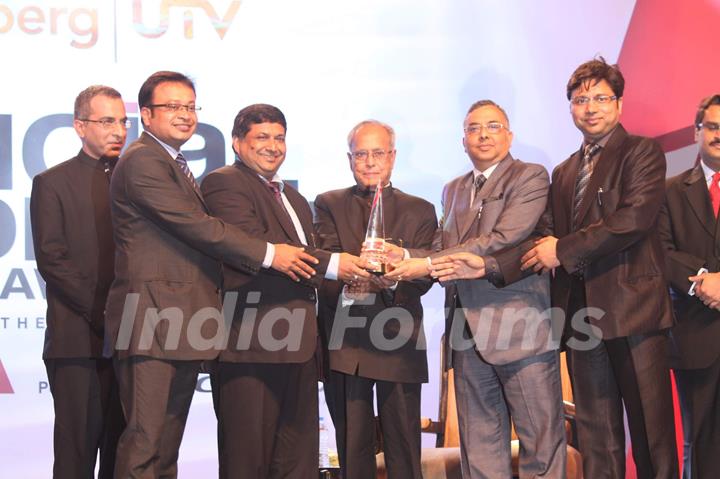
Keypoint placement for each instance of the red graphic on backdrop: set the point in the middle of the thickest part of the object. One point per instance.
(668, 58)
(5, 386)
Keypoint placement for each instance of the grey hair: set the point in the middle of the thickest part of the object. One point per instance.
(82, 102)
(356, 128)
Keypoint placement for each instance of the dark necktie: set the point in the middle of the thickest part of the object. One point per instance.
(586, 169)
(715, 193)
(182, 163)
(275, 188)
(479, 182)
(277, 194)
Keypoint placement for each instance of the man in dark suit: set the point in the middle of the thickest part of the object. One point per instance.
(163, 310)
(689, 231)
(510, 350)
(72, 234)
(266, 379)
(601, 240)
(361, 356)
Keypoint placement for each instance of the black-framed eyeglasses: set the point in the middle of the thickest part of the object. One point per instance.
(176, 107)
(493, 127)
(108, 123)
(597, 99)
(377, 155)
(713, 127)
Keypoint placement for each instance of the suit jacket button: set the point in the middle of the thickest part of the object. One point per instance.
(312, 296)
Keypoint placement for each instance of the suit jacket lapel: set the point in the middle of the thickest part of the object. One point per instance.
(464, 216)
(152, 143)
(266, 193)
(197, 192)
(603, 166)
(562, 188)
(696, 193)
(355, 219)
(391, 232)
(473, 213)
(299, 204)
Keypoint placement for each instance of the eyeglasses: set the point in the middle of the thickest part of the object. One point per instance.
(377, 155)
(176, 107)
(712, 127)
(108, 123)
(493, 128)
(598, 99)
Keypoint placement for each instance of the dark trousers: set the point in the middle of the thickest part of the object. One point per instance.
(350, 401)
(88, 416)
(632, 371)
(156, 396)
(699, 393)
(268, 420)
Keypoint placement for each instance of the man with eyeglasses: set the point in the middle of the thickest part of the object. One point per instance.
(275, 380)
(163, 310)
(372, 330)
(688, 230)
(498, 341)
(600, 238)
(74, 250)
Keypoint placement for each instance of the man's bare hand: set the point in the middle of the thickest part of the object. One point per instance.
(293, 261)
(358, 290)
(381, 282)
(352, 268)
(543, 257)
(409, 269)
(707, 289)
(394, 253)
(457, 266)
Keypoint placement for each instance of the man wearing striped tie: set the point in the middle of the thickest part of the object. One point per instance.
(499, 341)
(163, 309)
(601, 240)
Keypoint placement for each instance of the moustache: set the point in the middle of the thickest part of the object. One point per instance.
(715, 142)
(272, 154)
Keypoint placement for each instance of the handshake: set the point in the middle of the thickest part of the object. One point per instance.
(444, 268)
(353, 270)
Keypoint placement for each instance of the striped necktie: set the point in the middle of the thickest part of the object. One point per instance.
(583, 178)
(182, 163)
(479, 182)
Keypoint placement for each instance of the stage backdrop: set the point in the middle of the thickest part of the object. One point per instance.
(415, 64)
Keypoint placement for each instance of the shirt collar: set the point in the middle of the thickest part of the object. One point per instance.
(486, 173)
(602, 141)
(275, 179)
(171, 151)
(707, 171)
(100, 163)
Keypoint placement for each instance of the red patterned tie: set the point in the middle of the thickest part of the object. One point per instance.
(715, 193)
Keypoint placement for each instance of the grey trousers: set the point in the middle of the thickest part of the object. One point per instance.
(488, 396)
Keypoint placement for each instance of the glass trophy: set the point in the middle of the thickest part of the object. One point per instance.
(374, 246)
